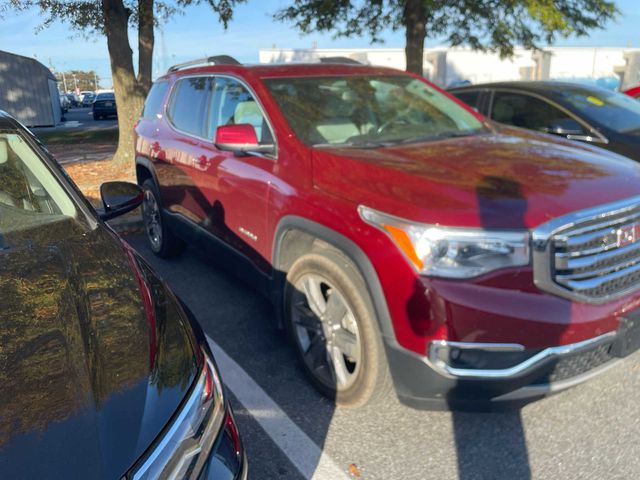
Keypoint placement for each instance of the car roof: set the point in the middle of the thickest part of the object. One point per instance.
(7, 122)
(548, 87)
(289, 70)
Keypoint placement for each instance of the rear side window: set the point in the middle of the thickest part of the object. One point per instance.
(153, 103)
(469, 97)
(188, 106)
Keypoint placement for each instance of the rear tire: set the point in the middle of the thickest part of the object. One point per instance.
(330, 319)
(96, 117)
(160, 238)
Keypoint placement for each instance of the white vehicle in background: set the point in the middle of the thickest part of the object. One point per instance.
(87, 98)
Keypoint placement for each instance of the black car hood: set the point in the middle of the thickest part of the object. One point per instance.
(87, 380)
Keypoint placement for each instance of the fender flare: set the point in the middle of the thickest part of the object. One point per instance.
(351, 250)
(148, 164)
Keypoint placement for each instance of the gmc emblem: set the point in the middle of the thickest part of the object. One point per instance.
(628, 234)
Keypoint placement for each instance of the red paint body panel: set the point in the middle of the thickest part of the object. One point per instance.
(633, 92)
(509, 179)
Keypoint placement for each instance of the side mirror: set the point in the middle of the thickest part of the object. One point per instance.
(240, 138)
(119, 198)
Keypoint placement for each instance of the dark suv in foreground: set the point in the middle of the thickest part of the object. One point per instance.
(402, 236)
(103, 373)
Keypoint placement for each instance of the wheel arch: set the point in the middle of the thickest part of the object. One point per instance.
(145, 170)
(296, 236)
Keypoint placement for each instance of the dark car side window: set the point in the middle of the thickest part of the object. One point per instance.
(189, 104)
(153, 103)
(530, 112)
(233, 104)
(469, 97)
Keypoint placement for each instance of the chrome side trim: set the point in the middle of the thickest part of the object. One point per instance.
(435, 360)
(541, 246)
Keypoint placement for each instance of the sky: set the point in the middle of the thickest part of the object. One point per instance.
(197, 33)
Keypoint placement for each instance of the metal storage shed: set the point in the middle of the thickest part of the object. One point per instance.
(28, 91)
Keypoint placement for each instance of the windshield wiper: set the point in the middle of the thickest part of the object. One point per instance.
(362, 144)
(438, 136)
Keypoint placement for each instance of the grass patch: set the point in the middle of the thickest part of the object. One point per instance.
(109, 135)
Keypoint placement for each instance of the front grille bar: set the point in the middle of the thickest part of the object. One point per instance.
(583, 256)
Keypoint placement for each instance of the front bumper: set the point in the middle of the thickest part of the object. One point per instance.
(488, 376)
(227, 459)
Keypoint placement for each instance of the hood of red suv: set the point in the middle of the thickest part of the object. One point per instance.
(505, 180)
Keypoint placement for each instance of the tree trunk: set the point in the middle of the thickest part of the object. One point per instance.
(415, 17)
(128, 92)
(145, 44)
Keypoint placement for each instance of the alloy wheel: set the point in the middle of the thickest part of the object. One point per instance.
(152, 220)
(326, 331)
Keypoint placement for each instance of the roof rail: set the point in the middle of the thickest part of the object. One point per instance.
(346, 60)
(215, 60)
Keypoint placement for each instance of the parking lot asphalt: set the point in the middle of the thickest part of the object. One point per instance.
(80, 119)
(589, 432)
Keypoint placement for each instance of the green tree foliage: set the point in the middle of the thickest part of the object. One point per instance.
(84, 80)
(487, 25)
(113, 19)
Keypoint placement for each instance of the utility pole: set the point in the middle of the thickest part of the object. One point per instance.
(64, 82)
(95, 81)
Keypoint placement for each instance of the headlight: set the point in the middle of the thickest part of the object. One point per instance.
(452, 252)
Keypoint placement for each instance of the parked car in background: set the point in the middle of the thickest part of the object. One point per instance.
(633, 92)
(400, 235)
(579, 112)
(87, 99)
(103, 372)
(74, 99)
(65, 104)
(104, 105)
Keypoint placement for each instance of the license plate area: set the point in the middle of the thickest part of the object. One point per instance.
(628, 338)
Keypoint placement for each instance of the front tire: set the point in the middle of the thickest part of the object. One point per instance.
(160, 238)
(329, 317)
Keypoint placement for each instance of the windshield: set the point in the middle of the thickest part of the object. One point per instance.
(32, 202)
(616, 111)
(368, 110)
(105, 96)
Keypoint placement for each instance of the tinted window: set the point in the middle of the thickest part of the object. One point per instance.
(614, 110)
(31, 199)
(105, 96)
(153, 103)
(188, 106)
(234, 105)
(530, 112)
(469, 97)
(371, 110)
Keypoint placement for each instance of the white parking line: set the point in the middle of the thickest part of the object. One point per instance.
(305, 455)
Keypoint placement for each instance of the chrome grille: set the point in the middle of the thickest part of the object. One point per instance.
(594, 256)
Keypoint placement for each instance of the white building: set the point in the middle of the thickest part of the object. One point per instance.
(449, 66)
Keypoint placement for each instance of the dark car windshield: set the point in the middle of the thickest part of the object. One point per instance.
(616, 111)
(32, 202)
(368, 110)
(105, 96)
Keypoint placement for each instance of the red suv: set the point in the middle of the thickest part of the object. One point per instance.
(404, 239)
